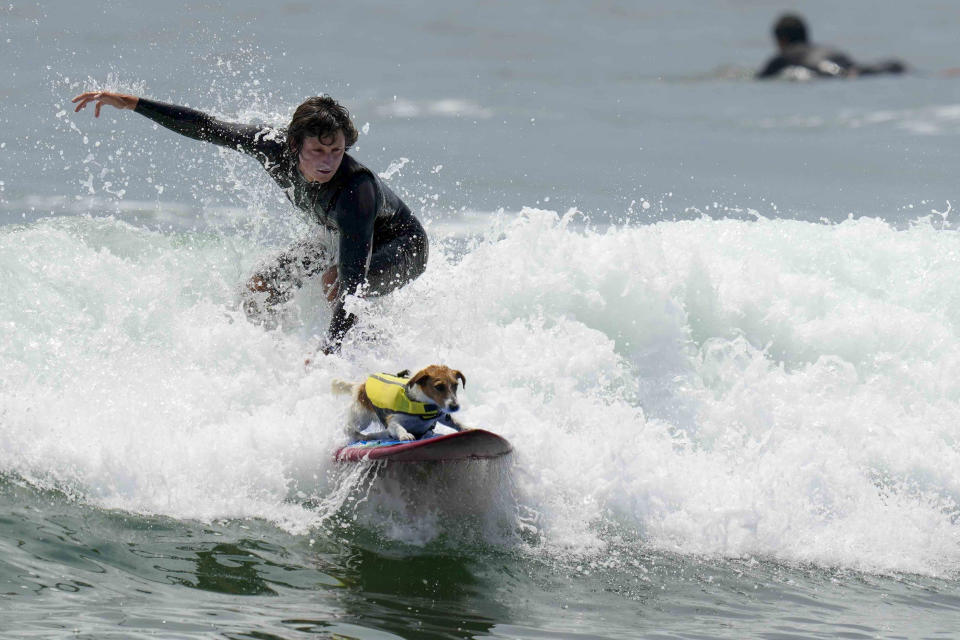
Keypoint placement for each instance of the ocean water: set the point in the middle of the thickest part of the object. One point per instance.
(717, 319)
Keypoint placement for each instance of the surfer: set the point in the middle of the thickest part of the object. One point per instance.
(798, 55)
(368, 242)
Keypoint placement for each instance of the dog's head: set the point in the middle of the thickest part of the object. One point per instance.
(437, 384)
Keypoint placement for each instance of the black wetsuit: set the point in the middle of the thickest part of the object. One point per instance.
(373, 237)
(823, 62)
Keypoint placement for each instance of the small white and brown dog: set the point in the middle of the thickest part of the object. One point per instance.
(407, 407)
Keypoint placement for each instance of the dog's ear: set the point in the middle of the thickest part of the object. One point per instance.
(420, 378)
(461, 376)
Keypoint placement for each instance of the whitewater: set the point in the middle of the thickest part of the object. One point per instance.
(746, 389)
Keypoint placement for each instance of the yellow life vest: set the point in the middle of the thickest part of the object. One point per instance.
(389, 395)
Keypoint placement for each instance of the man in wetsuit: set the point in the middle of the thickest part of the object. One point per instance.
(798, 54)
(368, 241)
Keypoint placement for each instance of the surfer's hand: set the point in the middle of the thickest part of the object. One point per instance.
(330, 285)
(118, 100)
(329, 348)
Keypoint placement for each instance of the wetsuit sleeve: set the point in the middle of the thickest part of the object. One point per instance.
(887, 66)
(774, 66)
(356, 213)
(260, 141)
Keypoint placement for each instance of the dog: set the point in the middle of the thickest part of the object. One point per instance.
(408, 407)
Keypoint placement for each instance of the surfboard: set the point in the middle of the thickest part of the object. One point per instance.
(473, 444)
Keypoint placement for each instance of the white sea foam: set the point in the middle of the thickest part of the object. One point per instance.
(765, 388)
(928, 120)
(447, 108)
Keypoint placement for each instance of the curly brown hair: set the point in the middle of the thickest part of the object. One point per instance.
(322, 117)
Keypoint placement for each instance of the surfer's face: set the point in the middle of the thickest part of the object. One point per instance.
(320, 159)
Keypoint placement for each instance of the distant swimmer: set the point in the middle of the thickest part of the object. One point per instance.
(368, 242)
(799, 59)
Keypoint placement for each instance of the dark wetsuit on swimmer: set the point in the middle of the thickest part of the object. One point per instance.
(822, 61)
(367, 231)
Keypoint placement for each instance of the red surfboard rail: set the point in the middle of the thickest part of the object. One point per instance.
(473, 444)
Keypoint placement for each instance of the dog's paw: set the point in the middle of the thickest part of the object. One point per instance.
(403, 434)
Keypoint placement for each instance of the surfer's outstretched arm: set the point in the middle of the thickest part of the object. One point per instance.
(261, 140)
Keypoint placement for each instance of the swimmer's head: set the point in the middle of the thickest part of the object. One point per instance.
(320, 117)
(790, 29)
